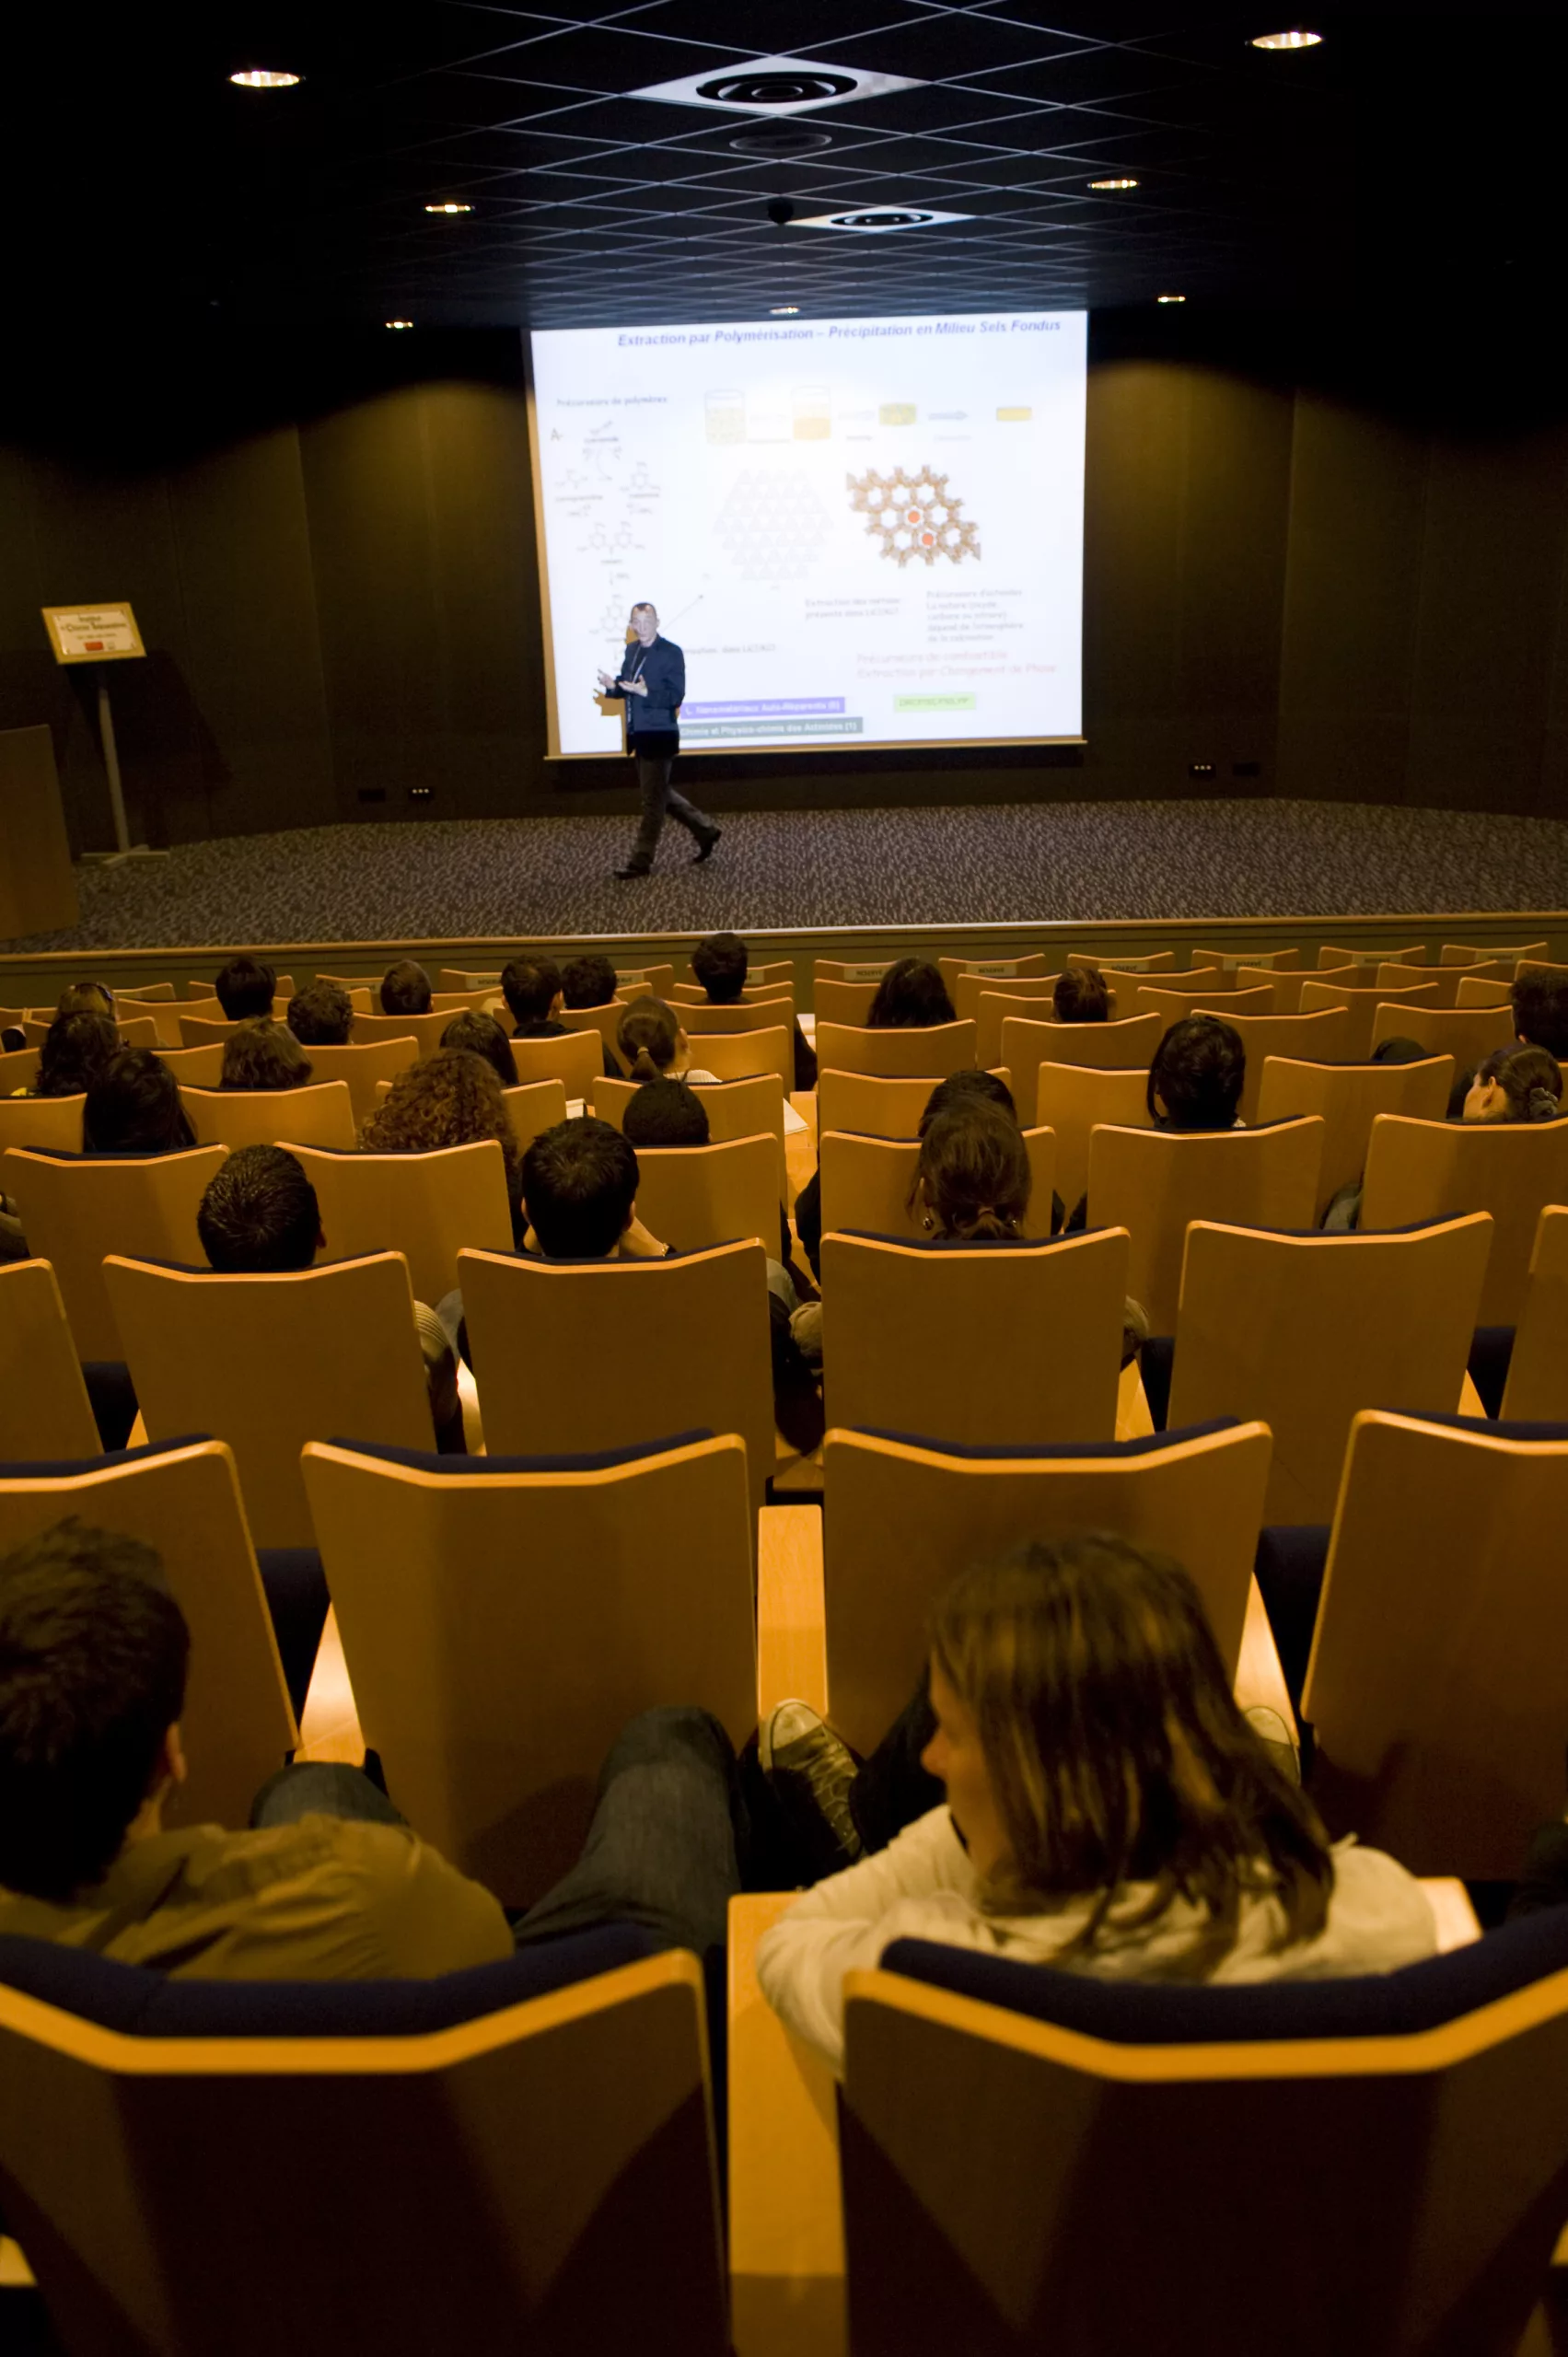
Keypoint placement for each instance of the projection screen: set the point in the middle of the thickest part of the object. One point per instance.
(860, 532)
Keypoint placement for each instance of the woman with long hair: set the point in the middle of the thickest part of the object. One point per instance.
(483, 1035)
(653, 1045)
(451, 1098)
(134, 1107)
(972, 1182)
(911, 996)
(76, 1049)
(1516, 1084)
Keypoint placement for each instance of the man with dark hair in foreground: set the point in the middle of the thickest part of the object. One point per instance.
(665, 1112)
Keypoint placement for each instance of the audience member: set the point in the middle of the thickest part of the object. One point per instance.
(587, 981)
(134, 1107)
(720, 964)
(1109, 1809)
(1516, 1084)
(1540, 1013)
(961, 1084)
(1082, 995)
(405, 989)
(264, 1054)
(653, 1045)
(911, 996)
(1197, 1076)
(580, 1196)
(665, 1112)
(244, 989)
(973, 1179)
(531, 987)
(86, 998)
(451, 1098)
(76, 1049)
(480, 1035)
(320, 1015)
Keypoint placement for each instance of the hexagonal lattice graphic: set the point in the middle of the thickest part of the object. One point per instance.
(914, 515)
(772, 526)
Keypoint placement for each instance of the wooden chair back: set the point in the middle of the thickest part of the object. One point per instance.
(53, 1123)
(751, 1014)
(1464, 953)
(576, 1060)
(202, 1067)
(1154, 1182)
(362, 1066)
(735, 1109)
(1071, 1099)
(605, 1021)
(935, 1051)
(1473, 992)
(424, 1030)
(426, 1206)
(136, 1031)
(354, 984)
(693, 1196)
(993, 1346)
(622, 1583)
(1356, 954)
(18, 1068)
(532, 1106)
(152, 994)
(994, 1007)
(866, 1107)
(198, 986)
(1180, 1000)
(1000, 973)
(1153, 961)
(693, 994)
(163, 1011)
(1537, 1389)
(1237, 961)
(658, 980)
(1466, 1033)
(1540, 966)
(1361, 1008)
(559, 2153)
(1289, 983)
(740, 1055)
(74, 1209)
(1121, 1046)
(1427, 1170)
(1304, 1332)
(1348, 1099)
(319, 1114)
(902, 1517)
(850, 969)
(475, 1002)
(1316, 1038)
(457, 978)
(237, 1725)
(869, 1185)
(204, 1030)
(269, 1362)
(44, 1410)
(761, 974)
(848, 1003)
(1394, 975)
(965, 992)
(1435, 1683)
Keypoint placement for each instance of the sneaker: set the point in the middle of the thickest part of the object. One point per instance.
(1276, 1740)
(706, 844)
(810, 1770)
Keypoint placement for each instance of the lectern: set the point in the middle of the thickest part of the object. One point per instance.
(38, 890)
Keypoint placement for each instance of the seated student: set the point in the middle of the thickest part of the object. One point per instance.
(451, 1098)
(973, 1179)
(911, 996)
(1082, 995)
(1343, 1216)
(665, 1112)
(76, 1049)
(720, 964)
(84, 998)
(1516, 1084)
(244, 989)
(134, 1107)
(264, 1055)
(1540, 1020)
(1197, 1076)
(260, 1218)
(653, 1044)
(590, 981)
(405, 989)
(93, 1661)
(531, 987)
(483, 1035)
(1109, 1809)
(320, 1015)
(808, 1203)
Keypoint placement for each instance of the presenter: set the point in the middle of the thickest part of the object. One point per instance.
(652, 682)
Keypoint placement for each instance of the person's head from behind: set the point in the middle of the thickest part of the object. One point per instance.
(1399, 1050)
(1082, 995)
(1197, 1076)
(134, 1107)
(579, 1189)
(483, 1035)
(720, 964)
(973, 1175)
(450, 1098)
(665, 1112)
(93, 1654)
(260, 1217)
(320, 1015)
(405, 989)
(264, 1055)
(531, 987)
(967, 1087)
(245, 989)
(911, 996)
(1516, 1084)
(1540, 1013)
(587, 981)
(76, 1049)
(84, 998)
(1090, 1740)
(650, 1040)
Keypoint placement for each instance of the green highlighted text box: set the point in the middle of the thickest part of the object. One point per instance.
(935, 704)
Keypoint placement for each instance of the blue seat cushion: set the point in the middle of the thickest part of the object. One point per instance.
(112, 1397)
(1157, 1365)
(1109, 1451)
(1289, 1565)
(593, 1461)
(296, 1594)
(1492, 1349)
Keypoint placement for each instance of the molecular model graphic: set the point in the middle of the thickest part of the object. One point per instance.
(914, 515)
(772, 526)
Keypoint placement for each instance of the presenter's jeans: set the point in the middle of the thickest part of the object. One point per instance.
(658, 797)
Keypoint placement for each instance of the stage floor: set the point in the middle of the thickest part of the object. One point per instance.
(1011, 863)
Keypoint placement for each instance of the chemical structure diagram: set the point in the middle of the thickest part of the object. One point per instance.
(914, 515)
(772, 527)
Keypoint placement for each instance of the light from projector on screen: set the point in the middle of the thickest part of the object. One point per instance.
(860, 532)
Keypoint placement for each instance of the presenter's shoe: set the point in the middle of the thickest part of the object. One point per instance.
(705, 850)
(624, 875)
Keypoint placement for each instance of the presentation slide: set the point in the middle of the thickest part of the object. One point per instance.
(860, 531)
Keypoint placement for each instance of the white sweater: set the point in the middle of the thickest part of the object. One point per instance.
(924, 1887)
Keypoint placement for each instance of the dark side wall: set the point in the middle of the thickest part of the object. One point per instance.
(1320, 586)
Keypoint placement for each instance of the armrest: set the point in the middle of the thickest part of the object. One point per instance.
(787, 2239)
(791, 1637)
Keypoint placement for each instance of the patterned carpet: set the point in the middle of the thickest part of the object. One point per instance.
(1021, 863)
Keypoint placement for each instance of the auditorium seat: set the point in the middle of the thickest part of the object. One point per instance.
(1122, 1046)
(988, 1346)
(1448, 978)
(632, 1348)
(1435, 1688)
(761, 974)
(502, 1618)
(849, 969)
(1357, 953)
(1070, 1099)
(282, 990)
(1152, 961)
(450, 1002)
(44, 1408)
(74, 1209)
(150, 993)
(1362, 1006)
(1039, 2159)
(1466, 1033)
(321, 1113)
(1479, 994)
(162, 1008)
(202, 1067)
(737, 1055)
(18, 1068)
(604, 1020)
(656, 980)
(965, 991)
(424, 1030)
(996, 1006)
(868, 1184)
(206, 1030)
(455, 978)
(1235, 961)
(576, 1060)
(1319, 1038)
(936, 1050)
(237, 1725)
(1538, 1365)
(751, 1014)
(1154, 1182)
(426, 1206)
(363, 1064)
(136, 1031)
(517, 2156)
(1289, 984)
(869, 1108)
(532, 1106)
(1540, 966)
(735, 1109)
(1183, 999)
(1464, 953)
(693, 1196)
(685, 994)
(1349, 1097)
(1303, 1331)
(848, 1003)
(1000, 971)
(353, 984)
(1426, 1171)
(53, 1123)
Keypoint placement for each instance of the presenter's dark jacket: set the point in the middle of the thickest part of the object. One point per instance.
(651, 720)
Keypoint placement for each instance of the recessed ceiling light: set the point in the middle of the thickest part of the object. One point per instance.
(775, 86)
(451, 205)
(789, 139)
(259, 77)
(1114, 183)
(1297, 39)
(880, 223)
(1170, 298)
(408, 323)
(784, 310)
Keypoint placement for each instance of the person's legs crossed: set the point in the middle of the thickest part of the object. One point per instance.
(321, 1788)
